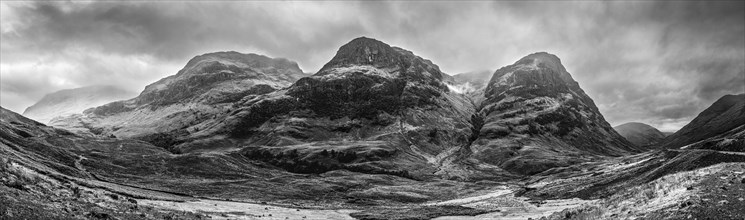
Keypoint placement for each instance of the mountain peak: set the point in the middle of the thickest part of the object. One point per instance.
(366, 40)
(537, 69)
(240, 60)
(364, 51)
(209, 77)
(547, 59)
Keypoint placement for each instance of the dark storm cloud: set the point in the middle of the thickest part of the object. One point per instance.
(164, 30)
(656, 62)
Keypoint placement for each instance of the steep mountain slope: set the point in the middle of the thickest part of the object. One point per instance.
(369, 99)
(144, 171)
(205, 88)
(535, 116)
(372, 108)
(640, 134)
(721, 126)
(74, 101)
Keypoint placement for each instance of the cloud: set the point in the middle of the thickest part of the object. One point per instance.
(655, 62)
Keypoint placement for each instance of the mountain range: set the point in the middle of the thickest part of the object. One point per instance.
(369, 99)
(378, 130)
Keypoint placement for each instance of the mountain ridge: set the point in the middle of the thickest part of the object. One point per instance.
(723, 118)
(387, 102)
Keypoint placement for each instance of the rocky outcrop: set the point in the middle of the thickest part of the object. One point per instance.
(640, 134)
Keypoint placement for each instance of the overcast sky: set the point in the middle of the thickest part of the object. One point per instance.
(659, 63)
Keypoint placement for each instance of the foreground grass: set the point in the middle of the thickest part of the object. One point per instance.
(675, 196)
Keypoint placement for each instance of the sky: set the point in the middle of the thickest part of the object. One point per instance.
(659, 63)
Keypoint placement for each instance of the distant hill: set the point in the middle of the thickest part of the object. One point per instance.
(640, 134)
(74, 101)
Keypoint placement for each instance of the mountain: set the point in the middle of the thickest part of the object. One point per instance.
(372, 108)
(206, 86)
(377, 133)
(74, 101)
(640, 134)
(535, 117)
(214, 78)
(380, 102)
(720, 126)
